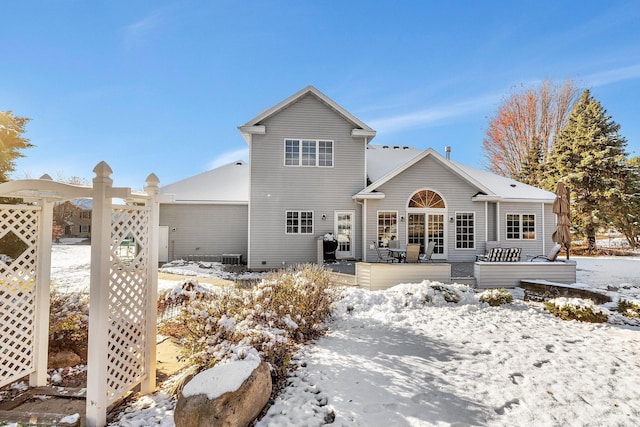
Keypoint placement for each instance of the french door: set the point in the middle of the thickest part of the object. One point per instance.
(344, 234)
(428, 227)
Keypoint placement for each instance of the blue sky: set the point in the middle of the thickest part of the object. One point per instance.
(161, 86)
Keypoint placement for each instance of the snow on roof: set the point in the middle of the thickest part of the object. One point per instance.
(382, 159)
(387, 161)
(506, 188)
(226, 184)
(230, 183)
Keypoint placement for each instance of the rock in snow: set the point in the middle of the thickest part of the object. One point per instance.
(231, 394)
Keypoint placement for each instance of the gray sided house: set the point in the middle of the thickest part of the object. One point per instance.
(313, 171)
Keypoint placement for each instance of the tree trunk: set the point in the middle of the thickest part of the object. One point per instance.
(591, 240)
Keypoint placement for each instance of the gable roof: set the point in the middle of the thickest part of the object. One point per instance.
(385, 163)
(255, 125)
(228, 184)
(382, 159)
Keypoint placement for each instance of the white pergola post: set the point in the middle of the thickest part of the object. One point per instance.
(42, 293)
(99, 298)
(152, 189)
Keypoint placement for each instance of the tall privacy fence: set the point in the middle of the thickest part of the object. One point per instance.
(123, 286)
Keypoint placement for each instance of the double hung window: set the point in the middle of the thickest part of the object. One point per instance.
(308, 152)
(521, 226)
(299, 222)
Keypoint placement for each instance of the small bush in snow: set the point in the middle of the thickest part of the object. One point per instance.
(576, 309)
(286, 308)
(68, 321)
(629, 309)
(496, 297)
(448, 294)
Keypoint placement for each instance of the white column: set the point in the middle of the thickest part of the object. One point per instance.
(42, 293)
(99, 298)
(149, 383)
(498, 225)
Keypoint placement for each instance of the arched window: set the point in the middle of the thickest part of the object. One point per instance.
(426, 199)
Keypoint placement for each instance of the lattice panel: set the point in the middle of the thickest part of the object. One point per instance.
(19, 238)
(127, 299)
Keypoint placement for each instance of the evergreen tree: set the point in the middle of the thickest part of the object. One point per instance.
(589, 157)
(626, 215)
(531, 171)
(11, 142)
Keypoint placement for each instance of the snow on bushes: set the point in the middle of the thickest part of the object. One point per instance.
(629, 309)
(286, 308)
(580, 309)
(496, 297)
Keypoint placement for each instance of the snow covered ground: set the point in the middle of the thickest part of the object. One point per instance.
(391, 359)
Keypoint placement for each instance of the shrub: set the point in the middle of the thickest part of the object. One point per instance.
(285, 309)
(629, 309)
(576, 309)
(69, 322)
(496, 297)
(448, 294)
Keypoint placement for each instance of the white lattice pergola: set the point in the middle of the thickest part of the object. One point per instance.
(123, 289)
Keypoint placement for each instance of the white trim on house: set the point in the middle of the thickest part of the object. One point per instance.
(360, 128)
(428, 152)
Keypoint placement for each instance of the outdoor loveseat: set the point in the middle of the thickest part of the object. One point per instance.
(499, 254)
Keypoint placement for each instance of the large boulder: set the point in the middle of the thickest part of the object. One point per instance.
(232, 394)
(63, 359)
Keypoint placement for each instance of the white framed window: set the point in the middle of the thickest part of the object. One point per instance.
(387, 227)
(521, 227)
(308, 152)
(465, 230)
(85, 229)
(299, 222)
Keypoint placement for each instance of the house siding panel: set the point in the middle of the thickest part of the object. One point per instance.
(276, 188)
(205, 229)
(509, 274)
(544, 227)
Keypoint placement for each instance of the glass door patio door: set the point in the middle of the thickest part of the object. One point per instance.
(427, 227)
(344, 234)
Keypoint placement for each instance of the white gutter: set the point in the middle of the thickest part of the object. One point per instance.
(373, 196)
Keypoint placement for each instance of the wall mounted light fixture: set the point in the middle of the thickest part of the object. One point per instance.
(324, 217)
(402, 218)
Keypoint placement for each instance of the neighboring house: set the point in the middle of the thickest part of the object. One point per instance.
(73, 217)
(313, 171)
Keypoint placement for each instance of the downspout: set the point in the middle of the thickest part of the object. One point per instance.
(249, 205)
(544, 240)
